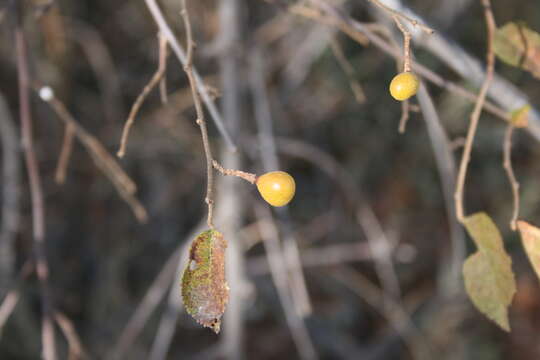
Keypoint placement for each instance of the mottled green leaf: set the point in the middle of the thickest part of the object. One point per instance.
(519, 46)
(204, 289)
(530, 237)
(489, 279)
(520, 117)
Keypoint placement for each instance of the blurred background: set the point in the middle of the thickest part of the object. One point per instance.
(365, 262)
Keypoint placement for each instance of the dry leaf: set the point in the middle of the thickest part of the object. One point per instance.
(489, 279)
(530, 237)
(520, 117)
(519, 46)
(204, 289)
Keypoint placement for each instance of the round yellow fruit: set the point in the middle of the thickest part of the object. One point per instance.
(404, 85)
(276, 187)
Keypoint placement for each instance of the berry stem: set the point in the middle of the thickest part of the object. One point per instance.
(252, 178)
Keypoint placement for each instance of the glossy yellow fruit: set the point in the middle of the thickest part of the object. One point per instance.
(403, 86)
(276, 187)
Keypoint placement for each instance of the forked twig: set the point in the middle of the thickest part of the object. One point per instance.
(105, 161)
(156, 78)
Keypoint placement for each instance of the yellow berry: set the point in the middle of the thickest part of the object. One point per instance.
(404, 85)
(276, 187)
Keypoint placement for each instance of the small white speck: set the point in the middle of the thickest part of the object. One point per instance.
(46, 93)
(192, 265)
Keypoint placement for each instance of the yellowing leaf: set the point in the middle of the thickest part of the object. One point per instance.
(489, 279)
(204, 289)
(530, 237)
(520, 117)
(519, 46)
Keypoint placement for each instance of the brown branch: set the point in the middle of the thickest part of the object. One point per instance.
(12, 296)
(156, 78)
(406, 45)
(162, 64)
(356, 88)
(355, 29)
(252, 178)
(103, 160)
(405, 109)
(65, 153)
(76, 351)
(36, 193)
(475, 115)
(507, 164)
(398, 14)
(188, 68)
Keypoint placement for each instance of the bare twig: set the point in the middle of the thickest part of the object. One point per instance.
(475, 115)
(406, 45)
(507, 164)
(188, 68)
(148, 304)
(163, 55)
(252, 178)
(268, 154)
(405, 110)
(11, 179)
(156, 78)
(12, 297)
(105, 161)
(36, 193)
(76, 350)
(396, 315)
(65, 153)
(181, 55)
(354, 28)
(397, 14)
(278, 270)
(356, 88)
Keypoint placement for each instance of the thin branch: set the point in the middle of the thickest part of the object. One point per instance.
(397, 14)
(11, 183)
(475, 115)
(405, 110)
(354, 29)
(76, 350)
(406, 45)
(356, 88)
(36, 193)
(163, 55)
(105, 161)
(278, 270)
(156, 78)
(12, 297)
(188, 68)
(65, 153)
(249, 177)
(199, 84)
(507, 164)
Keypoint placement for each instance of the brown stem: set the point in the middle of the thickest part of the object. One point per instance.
(38, 209)
(252, 178)
(507, 164)
(188, 68)
(475, 115)
(158, 76)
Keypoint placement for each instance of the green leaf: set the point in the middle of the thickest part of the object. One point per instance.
(530, 237)
(519, 46)
(204, 289)
(489, 279)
